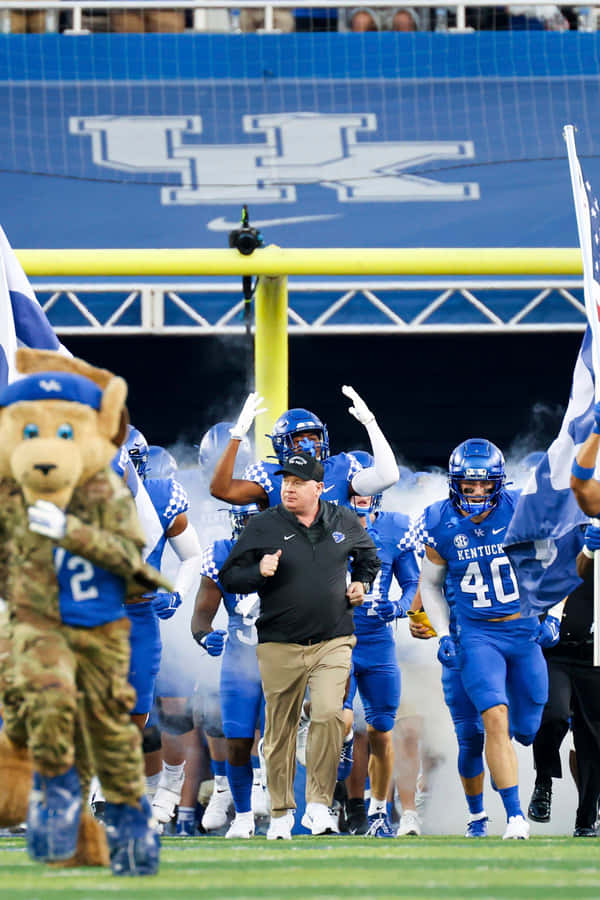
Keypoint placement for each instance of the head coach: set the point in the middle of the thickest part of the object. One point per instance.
(295, 556)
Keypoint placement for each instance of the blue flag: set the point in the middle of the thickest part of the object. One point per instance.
(23, 322)
(546, 531)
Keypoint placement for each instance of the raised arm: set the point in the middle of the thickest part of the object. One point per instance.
(384, 471)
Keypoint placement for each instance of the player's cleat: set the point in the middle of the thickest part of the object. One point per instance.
(346, 759)
(302, 737)
(319, 819)
(409, 823)
(540, 804)
(215, 814)
(516, 829)
(477, 828)
(242, 826)
(582, 831)
(133, 841)
(167, 796)
(53, 816)
(380, 826)
(280, 829)
(356, 816)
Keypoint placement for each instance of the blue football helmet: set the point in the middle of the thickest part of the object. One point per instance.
(476, 460)
(532, 459)
(137, 447)
(295, 422)
(239, 516)
(367, 462)
(161, 463)
(213, 444)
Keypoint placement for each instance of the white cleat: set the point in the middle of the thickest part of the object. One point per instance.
(280, 829)
(242, 826)
(410, 823)
(516, 829)
(167, 797)
(319, 819)
(215, 814)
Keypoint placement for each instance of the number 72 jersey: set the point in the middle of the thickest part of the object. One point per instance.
(480, 576)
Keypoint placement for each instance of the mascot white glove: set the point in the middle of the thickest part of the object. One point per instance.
(47, 519)
(360, 410)
(250, 411)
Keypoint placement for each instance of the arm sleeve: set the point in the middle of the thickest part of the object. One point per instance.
(406, 571)
(187, 547)
(432, 595)
(384, 472)
(240, 573)
(365, 562)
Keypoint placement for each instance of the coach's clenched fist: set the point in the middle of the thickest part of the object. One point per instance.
(269, 564)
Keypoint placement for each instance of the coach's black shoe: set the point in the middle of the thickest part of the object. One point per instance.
(540, 803)
(582, 831)
(356, 816)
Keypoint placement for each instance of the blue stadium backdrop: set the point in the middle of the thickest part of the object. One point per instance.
(332, 139)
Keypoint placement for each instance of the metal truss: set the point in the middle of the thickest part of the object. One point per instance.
(319, 307)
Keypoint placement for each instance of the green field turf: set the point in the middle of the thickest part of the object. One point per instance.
(327, 868)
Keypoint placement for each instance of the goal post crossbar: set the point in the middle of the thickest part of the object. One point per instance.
(276, 261)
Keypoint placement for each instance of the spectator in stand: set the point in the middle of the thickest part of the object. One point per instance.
(362, 18)
(401, 18)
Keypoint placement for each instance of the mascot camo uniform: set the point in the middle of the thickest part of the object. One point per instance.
(71, 547)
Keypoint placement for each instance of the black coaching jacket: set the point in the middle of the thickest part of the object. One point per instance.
(306, 598)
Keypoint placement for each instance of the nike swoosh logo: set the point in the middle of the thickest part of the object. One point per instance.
(330, 488)
(288, 537)
(221, 223)
(498, 530)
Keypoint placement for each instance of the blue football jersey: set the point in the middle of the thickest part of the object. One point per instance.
(242, 609)
(169, 499)
(388, 532)
(87, 594)
(480, 578)
(339, 472)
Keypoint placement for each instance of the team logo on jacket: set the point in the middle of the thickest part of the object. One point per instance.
(479, 532)
(461, 541)
(338, 537)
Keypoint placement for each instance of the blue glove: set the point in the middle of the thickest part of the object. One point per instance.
(166, 604)
(214, 642)
(448, 653)
(592, 537)
(549, 631)
(386, 609)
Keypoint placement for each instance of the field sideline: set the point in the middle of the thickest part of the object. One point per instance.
(451, 868)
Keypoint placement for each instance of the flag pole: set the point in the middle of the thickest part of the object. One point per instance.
(582, 214)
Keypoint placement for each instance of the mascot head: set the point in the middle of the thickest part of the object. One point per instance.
(59, 424)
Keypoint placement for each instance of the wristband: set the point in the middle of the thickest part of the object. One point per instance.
(199, 637)
(581, 472)
(587, 552)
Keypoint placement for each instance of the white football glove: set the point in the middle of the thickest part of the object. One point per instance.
(250, 411)
(47, 519)
(360, 410)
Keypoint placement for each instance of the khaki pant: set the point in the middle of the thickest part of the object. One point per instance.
(286, 670)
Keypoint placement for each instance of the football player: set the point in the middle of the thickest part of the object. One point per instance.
(375, 671)
(500, 658)
(299, 429)
(242, 700)
(162, 505)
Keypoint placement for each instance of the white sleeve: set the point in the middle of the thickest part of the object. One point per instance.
(384, 472)
(432, 595)
(187, 547)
